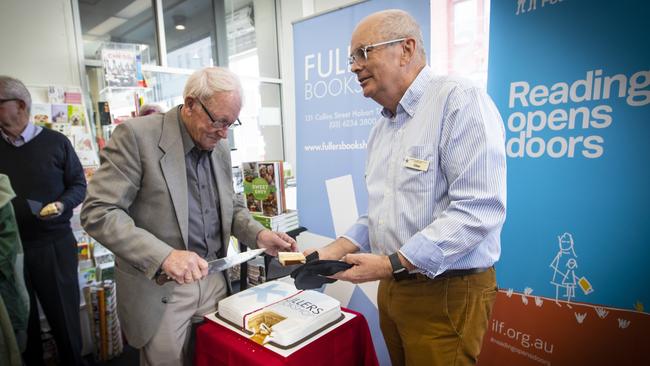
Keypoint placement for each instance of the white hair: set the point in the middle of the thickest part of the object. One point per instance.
(13, 88)
(396, 24)
(204, 83)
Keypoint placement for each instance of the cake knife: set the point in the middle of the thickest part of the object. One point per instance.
(218, 265)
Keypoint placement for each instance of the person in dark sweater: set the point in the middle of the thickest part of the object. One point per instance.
(44, 170)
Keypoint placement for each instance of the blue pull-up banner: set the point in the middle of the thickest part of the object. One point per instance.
(571, 79)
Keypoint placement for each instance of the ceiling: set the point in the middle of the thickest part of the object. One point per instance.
(132, 21)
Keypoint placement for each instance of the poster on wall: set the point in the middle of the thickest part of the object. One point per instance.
(571, 79)
(333, 119)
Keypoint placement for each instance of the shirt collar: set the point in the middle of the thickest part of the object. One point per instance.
(188, 143)
(30, 131)
(411, 97)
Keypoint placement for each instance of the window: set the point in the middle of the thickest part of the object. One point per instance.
(119, 22)
(251, 33)
(189, 33)
(459, 38)
(197, 33)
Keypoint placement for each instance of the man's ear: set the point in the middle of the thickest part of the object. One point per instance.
(408, 51)
(189, 102)
(22, 105)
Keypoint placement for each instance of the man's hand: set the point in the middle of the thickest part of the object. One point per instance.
(185, 266)
(366, 267)
(334, 250)
(51, 210)
(275, 242)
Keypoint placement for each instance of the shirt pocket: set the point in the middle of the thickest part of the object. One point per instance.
(414, 180)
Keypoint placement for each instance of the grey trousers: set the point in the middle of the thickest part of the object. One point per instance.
(173, 342)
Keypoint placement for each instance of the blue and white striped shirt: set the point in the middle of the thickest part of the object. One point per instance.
(450, 215)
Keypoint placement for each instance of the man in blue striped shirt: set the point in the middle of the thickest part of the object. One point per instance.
(436, 179)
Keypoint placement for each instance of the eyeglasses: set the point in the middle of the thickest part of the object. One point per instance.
(361, 53)
(219, 124)
(3, 101)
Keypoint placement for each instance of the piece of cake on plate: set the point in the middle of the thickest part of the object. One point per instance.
(276, 312)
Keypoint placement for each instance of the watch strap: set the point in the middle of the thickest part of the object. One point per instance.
(399, 271)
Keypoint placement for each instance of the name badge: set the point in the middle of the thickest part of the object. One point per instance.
(416, 164)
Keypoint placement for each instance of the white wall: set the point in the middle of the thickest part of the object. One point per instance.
(38, 43)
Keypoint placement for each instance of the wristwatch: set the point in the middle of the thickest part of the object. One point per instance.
(399, 271)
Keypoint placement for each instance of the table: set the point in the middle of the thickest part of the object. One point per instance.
(350, 344)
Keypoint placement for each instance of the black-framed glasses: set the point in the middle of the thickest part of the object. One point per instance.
(3, 101)
(361, 53)
(219, 124)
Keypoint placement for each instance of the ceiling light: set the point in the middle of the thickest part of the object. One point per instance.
(179, 22)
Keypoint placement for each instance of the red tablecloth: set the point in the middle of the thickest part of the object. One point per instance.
(349, 344)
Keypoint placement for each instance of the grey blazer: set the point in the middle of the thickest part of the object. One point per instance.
(136, 206)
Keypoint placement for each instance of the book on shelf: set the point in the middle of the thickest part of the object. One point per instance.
(76, 115)
(103, 334)
(105, 271)
(284, 222)
(55, 94)
(64, 128)
(119, 66)
(83, 250)
(264, 187)
(102, 255)
(96, 267)
(70, 120)
(60, 113)
(104, 112)
(72, 97)
(41, 113)
(86, 275)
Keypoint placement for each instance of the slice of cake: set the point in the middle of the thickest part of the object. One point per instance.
(49, 210)
(289, 258)
(278, 313)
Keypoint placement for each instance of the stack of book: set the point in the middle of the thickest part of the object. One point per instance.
(264, 187)
(256, 271)
(284, 222)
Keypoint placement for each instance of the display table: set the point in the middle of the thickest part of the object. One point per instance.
(349, 344)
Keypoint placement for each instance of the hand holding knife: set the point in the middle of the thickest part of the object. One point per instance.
(216, 265)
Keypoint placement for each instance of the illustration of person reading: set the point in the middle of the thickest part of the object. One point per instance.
(560, 264)
(569, 281)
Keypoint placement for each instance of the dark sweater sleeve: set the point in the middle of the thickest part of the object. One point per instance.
(73, 178)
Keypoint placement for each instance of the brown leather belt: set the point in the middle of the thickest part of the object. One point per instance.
(449, 273)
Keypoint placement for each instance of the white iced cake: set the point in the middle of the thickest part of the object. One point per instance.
(279, 313)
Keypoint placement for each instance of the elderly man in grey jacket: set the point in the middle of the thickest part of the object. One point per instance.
(163, 200)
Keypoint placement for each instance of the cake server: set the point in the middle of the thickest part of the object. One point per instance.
(218, 265)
